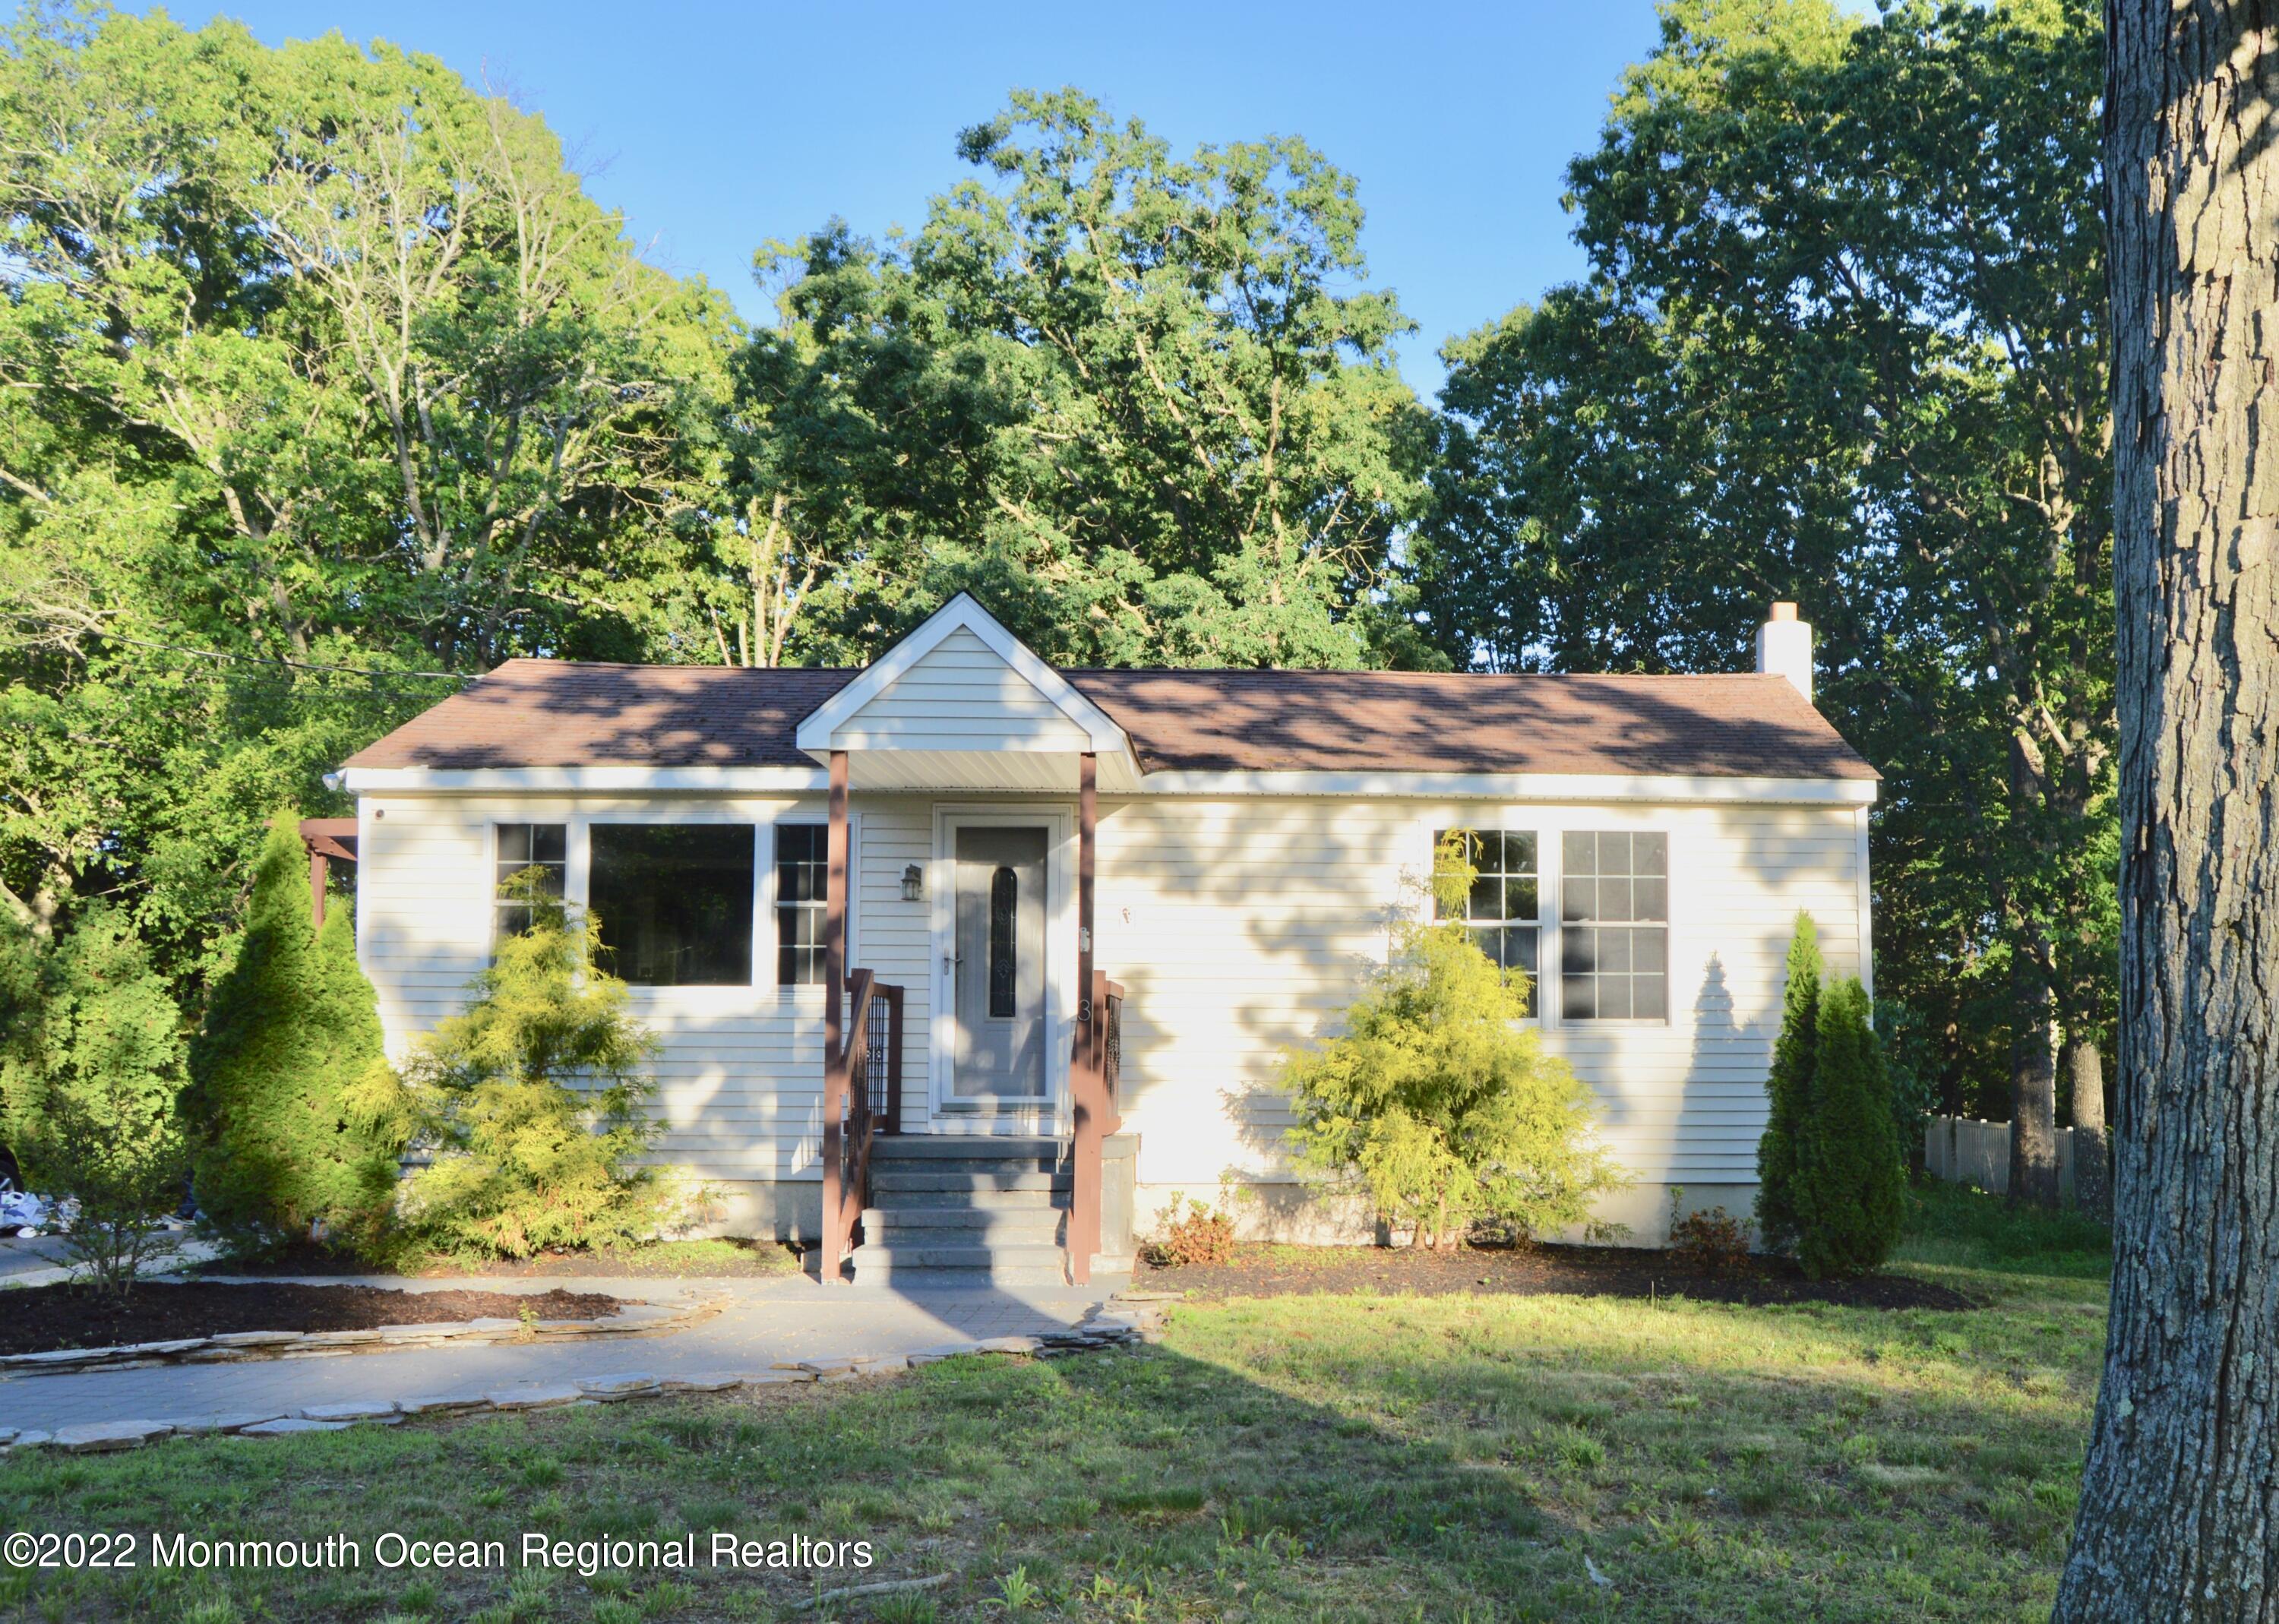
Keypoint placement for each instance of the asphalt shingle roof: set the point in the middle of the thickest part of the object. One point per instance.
(548, 713)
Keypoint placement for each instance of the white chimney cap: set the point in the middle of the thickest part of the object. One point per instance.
(1784, 647)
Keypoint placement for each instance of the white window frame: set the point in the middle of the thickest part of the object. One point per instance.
(1505, 820)
(1587, 821)
(809, 817)
(491, 826)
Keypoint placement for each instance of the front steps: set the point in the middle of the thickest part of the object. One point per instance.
(968, 1210)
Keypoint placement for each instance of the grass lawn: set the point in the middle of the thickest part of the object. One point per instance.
(1302, 1457)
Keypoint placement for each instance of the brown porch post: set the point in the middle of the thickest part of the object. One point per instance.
(1083, 1070)
(834, 1036)
(318, 863)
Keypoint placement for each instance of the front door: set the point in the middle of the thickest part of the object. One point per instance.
(998, 967)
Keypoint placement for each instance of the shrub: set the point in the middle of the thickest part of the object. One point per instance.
(1788, 1088)
(289, 1084)
(1711, 1244)
(1200, 1234)
(92, 1076)
(1440, 1100)
(1849, 1182)
(532, 1101)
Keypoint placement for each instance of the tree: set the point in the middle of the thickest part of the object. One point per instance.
(1842, 341)
(531, 1099)
(2176, 1518)
(1440, 1100)
(326, 382)
(290, 1087)
(1789, 1091)
(91, 1075)
(1848, 1178)
(1141, 404)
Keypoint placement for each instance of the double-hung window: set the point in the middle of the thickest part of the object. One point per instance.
(542, 846)
(802, 876)
(1613, 927)
(1501, 910)
(675, 901)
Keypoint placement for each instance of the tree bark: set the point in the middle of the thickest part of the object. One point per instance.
(2180, 1506)
(2033, 1086)
(2092, 1171)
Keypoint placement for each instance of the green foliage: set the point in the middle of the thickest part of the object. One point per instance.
(315, 358)
(91, 1073)
(1910, 1059)
(291, 1090)
(1190, 1232)
(1841, 341)
(1956, 1226)
(1849, 1180)
(1788, 1089)
(1440, 1100)
(531, 1099)
(1140, 404)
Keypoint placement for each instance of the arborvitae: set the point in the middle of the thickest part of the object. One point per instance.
(1847, 1190)
(284, 1075)
(1789, 1087)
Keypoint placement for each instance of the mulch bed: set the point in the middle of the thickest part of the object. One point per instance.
(758, 1260)
(38, 1319)
(1535, 1271)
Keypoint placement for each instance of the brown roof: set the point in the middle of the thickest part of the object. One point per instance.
(547, 713)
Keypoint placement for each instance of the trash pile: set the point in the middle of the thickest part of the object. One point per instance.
(25, 1214)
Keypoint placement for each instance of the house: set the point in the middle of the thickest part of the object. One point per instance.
(1077, 915)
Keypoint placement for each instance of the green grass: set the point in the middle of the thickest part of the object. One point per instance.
(1319, 1457)
(1955, 1226)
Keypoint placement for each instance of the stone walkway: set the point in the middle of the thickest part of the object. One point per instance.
(760, 1322)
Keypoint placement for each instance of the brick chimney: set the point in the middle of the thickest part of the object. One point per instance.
(1784, 648)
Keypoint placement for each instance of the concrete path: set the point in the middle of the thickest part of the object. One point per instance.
(760, 1322)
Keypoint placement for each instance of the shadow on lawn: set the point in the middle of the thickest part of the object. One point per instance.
(1304, 1460)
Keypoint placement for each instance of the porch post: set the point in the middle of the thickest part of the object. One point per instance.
(1083, 1069)
(319, 867)
(834, 1036)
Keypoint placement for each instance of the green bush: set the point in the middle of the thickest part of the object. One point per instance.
(1440, 1100)
(91, 1073)
(1789, 1088)
(1849, 1183)
(531, 1100)
(289, 1084)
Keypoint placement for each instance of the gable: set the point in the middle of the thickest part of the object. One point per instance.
(961, 694)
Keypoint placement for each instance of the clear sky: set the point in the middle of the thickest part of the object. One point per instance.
(716, 127)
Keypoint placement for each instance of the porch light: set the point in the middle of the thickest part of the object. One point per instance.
(913, 884)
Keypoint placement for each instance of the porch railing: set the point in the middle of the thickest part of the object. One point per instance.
(1096, 1075)
(862, 1097)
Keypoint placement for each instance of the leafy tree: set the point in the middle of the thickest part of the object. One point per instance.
(532, 1100)
(323, 376)
(1842, 341)
(288, 1082)
(91, 1076)
(1848, 1175)
(1789, 1090)
(1140, 403)
(1438, 1097)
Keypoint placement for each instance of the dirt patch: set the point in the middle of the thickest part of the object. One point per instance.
(1539, 1271)
(735, 1260)
(38, 1319)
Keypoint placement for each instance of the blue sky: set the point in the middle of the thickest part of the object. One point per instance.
(716, 127)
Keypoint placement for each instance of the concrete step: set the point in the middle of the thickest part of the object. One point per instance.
(1032, 1198)
(925, 1225)
(950, 1176)
(941, 1264)
(991, 1148)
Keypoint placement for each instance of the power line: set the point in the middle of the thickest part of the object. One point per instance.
(280, 661)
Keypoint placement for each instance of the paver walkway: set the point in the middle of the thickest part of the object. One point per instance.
(760, 1322)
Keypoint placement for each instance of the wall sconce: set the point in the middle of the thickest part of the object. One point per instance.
(913, 884)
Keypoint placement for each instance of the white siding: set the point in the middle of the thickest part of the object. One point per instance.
(1239, 928)
(961, 695)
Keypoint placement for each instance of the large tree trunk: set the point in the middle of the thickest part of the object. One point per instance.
(2179, 1509)
(2033, 1086)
